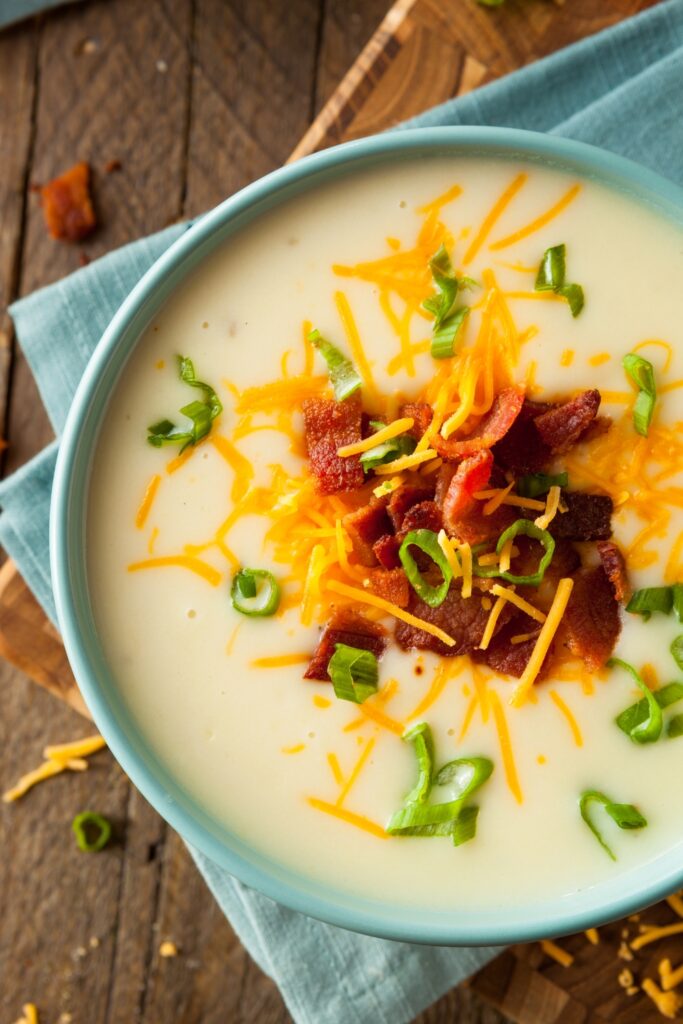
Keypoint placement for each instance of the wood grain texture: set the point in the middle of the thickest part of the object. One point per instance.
(197, 97)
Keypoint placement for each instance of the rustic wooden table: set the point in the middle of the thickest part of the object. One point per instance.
(195, 98)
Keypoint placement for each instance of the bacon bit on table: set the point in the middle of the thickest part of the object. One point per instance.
(67, 204)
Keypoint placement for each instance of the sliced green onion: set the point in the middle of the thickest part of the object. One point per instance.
(677, 650)
(255, 592)
(201, 414)
(642, 373)
(573, 293)
(427, 542)
(677, 600)
(651, 599)
(649, 729)
(626, 816)
(354, 673)
(639, 712)
(447, 283)
(388, 451)
(465, 825)
(421, 738)
(529, 529)
(343, 374)
(420, 819)
(447, 321)
(552, 270)
(534, 484)
(551, 278)
(92, 831)
(675, 727)
(445, 336)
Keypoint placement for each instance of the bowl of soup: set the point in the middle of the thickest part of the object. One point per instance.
(367, 536)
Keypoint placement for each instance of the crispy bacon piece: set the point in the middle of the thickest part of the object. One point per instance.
(366, 526)
(591, 624)
(67, 205)
(522, 449)
(472, 475)
(565, 561)
(328, 426)
(350, 628)
(615, 567)
(588, 517)
(392, 585)
(404, 498)
(386, 551)
(560, 428)
(426, 515)
(421, 413)
(491, 429)
(511, 659)
(463, 619)
(473, 527)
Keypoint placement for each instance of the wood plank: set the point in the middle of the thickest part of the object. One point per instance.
(101, 96)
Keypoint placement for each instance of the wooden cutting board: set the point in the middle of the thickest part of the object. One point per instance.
(424, 52)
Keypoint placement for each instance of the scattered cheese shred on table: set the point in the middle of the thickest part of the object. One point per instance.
(168, 949)
(30, 1014)
(562, 956)
(593, 936)
(62, 757)
(668, 1003)
(654, 934)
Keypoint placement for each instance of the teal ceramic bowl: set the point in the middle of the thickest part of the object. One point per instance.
(567, 912)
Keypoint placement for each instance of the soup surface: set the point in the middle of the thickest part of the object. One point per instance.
(308, 778)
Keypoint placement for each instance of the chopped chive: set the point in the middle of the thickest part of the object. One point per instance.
(255, 592)
(639, 712)
(551, 278)
(648, 729)
(344, 377)
(677, 650)
(534, 484)
(677, 600)
(445, 336)
(201, 414)
(642, 373)
(92, 831)
(354, 673)
(427, 542)
(465, 825)
(423, 744)
(651, 599)
(626, 816)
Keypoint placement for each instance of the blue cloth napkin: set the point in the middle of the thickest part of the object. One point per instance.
(621, 89)
(16, 10)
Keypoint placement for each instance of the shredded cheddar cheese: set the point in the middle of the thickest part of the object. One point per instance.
(508, 594)
(545, 638)
(446, 545)
(511, 499)
(386, 434)
(668, 1003)
(281, 660)
(378, 602)
(593, 936)
(349, 817)
(562, 956)
(655, 934)
(571, 721)
(59, 758)
(676, 904)
(552, 506)
(195, 565)
(505, 746)
(538, 222)
(493, 216)
(406, 462)
(147, 501)
(497, 500)
(669, 978)
(492, 623)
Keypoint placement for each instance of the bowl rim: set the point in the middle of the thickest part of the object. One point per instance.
(570, 912)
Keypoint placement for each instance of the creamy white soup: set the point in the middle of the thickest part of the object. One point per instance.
(296, 770)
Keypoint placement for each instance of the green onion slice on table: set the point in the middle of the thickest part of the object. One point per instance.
(626, 816)
(427, 542)
(646, 729)
(642, 373)
(344, 377)
(354, 673)
(92, 831)
(200, 413)
(255, 592)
